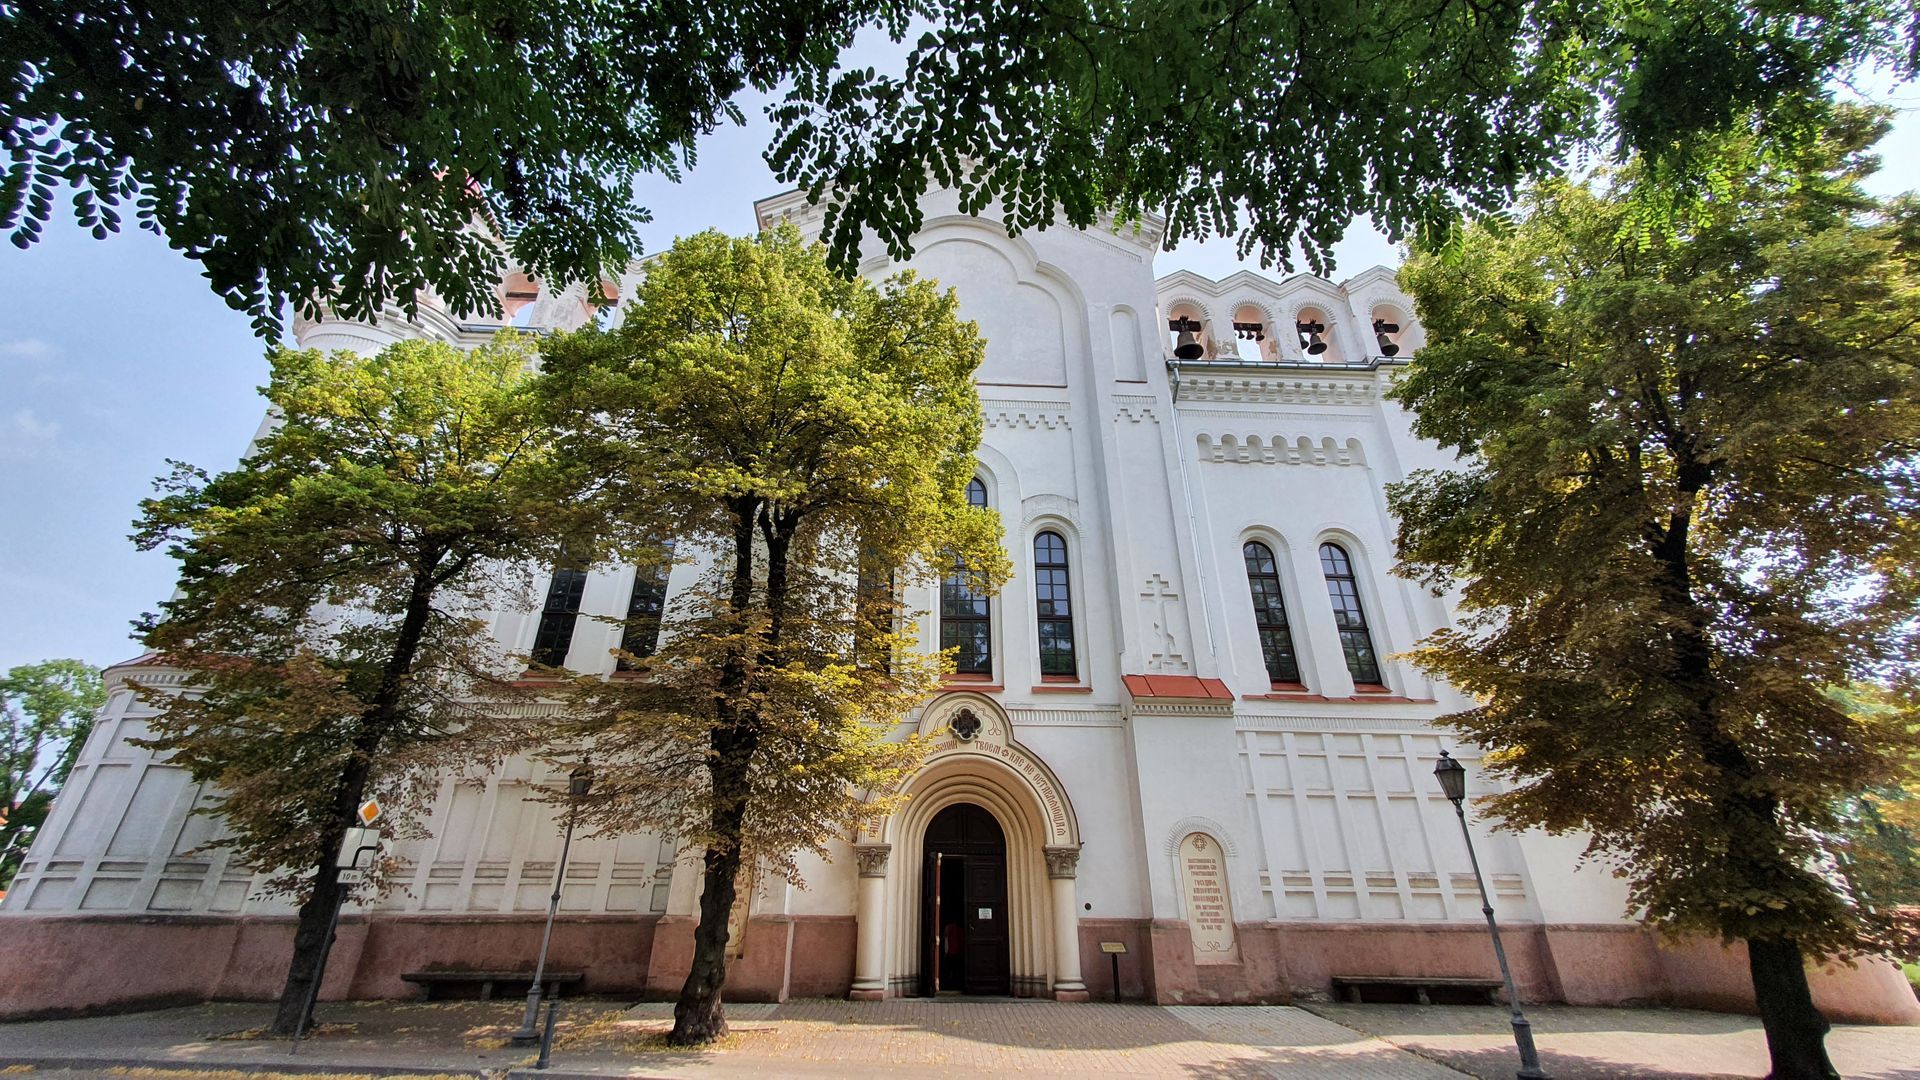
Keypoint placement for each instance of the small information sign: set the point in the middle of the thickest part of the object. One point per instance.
(1117, 947)
(352, 877)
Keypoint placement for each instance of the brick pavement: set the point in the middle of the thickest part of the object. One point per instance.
(1605, 1044)
(839, 1040)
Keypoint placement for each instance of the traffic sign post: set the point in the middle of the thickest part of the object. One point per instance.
(358, 847)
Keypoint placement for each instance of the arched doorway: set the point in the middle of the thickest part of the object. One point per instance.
(963, 919)
(973, 761)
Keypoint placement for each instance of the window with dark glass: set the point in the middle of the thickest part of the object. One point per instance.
(558, 616)
(966, 621)
(1355, 643)
(876, 613)
(645, 606)
(1054, 604)
(1270, 613)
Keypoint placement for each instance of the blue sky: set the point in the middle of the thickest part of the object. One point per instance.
(117, 357)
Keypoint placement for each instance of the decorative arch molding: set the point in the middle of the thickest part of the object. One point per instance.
(1261, 304)
(991, 747)
(997, 471)
(976, 760)
(1347, 537)
(1205, 307)
(1188, 825)
(1036, 509)
(1279, 449)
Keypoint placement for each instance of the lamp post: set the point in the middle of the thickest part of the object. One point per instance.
(579, 782)
(1453, 782)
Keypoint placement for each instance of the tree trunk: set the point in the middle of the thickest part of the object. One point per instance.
(699, 1016)
(310, 939)
(310, 946)
(1796, 1032)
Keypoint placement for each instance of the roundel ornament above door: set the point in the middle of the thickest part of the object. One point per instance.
(965, 725)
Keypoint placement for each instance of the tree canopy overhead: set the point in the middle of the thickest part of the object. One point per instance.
(1686, 512)
(347, 153)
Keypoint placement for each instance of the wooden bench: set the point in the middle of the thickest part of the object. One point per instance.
(1351, 988)
(437, 982)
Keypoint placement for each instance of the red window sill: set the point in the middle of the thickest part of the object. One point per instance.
(979, 683)
(1288, 687)
(1370, 688)
(1058, 688)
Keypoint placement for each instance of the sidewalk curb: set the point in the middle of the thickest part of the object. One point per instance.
(252, 1065)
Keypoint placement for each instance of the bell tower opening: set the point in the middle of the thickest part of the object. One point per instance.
(964, 935)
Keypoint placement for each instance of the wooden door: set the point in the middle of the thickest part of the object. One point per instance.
(967, 868)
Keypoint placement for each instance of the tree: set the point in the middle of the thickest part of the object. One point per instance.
(1686, 508)
(1880, 851)
(344, 152)
(814, 434)
(331, 595)
(44, 712)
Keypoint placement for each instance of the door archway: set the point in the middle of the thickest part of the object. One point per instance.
(963, 907)
(974, 760)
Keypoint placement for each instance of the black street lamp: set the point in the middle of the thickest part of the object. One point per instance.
(579, 782)
(1453, 783)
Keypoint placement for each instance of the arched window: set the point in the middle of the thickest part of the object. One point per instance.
(1054, 604)
(645, 606)
(966, 620)
(558, 616)
(1270, 614)
(1355, 643)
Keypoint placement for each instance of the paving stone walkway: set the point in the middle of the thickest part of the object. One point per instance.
(1606, 1044)
(839, 1040)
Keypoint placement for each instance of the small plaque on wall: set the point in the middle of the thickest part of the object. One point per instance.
(1203, 880)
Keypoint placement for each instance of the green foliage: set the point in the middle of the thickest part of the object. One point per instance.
(816, 434)
(1280, 123)
(343, 152)
(45, 710)
(1687, 507)
(333, 587)
(1880, 850)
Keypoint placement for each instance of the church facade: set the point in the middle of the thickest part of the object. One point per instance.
(1180, 750)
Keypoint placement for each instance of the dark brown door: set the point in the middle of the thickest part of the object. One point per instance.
(966, 916)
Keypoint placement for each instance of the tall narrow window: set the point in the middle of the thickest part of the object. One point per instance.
(1355, 643)
(557, 618)
(966, 621)
(1054, 604)
(1270, 614)
(876, 613)
(644, 608)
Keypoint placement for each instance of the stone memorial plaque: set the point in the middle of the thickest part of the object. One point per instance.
(1203, 878)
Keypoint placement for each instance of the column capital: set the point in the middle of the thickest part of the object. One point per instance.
(872, 858)
(1062, 862)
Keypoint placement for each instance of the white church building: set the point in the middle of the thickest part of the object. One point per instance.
(1180, 731)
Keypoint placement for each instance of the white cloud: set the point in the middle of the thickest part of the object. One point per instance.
(23, 435)
(26, 349)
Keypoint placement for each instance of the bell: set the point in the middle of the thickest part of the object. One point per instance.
(1187, 346)
(1381, 328)
(1310, 331)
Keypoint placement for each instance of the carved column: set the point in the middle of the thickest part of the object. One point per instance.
(1062, 863)
(870, 921)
